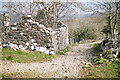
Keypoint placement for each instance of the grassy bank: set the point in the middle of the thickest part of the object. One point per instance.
(108, 70)
(29, 56)
(102, 67)
(25, 57)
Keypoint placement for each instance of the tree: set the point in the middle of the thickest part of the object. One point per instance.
(21, 8)
(55, 10)
(118, 23)
(111, 10)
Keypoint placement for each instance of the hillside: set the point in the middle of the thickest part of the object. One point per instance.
(95, 24)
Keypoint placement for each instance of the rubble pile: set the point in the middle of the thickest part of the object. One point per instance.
(112, 45)
(31, 35)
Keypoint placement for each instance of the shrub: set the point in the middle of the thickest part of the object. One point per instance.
(83, 34)
(10, 57)
(107, 53)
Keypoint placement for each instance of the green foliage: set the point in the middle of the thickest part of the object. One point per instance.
(106, 30)
(107, 53)
(97, 45)
(98, 60)
(25, 57)
(103, 56)
(108, 27)
(86, 66)
(83, 34)
(62, 52)
(10, 57)
(29, 56)
(75, 44)
(108, 70)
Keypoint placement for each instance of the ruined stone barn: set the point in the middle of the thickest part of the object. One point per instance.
(29, 34)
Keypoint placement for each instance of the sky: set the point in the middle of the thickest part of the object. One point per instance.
(0, 6)
(59, 0)
(1, 9)
(81, 13)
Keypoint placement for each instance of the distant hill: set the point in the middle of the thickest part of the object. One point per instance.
(4, 12)
(79, 16)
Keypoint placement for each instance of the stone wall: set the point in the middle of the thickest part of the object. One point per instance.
(60, 38)
(31, 35)
(1, 18)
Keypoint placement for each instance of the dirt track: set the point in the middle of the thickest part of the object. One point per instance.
(68, 65)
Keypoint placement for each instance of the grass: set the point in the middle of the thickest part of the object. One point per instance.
(75, 44)
(108, 70)
(25, 57)
(30, 56)
(97, 45)
(62, 52)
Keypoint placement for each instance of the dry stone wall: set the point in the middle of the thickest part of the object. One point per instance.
(30, 35)
(61, 38)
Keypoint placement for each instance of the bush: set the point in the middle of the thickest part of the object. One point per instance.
(96, 61)
(97, 45)
(83, 34)
(107, 53)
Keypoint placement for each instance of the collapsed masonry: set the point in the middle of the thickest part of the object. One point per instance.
(31, 35)
(112, 45)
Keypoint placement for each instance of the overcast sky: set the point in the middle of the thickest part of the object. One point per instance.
(1, 1)
(0, 6)
(2, 9)
(52, 0)
(59, 0)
